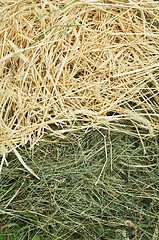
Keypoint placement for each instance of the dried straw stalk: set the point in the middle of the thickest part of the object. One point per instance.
(76, 65)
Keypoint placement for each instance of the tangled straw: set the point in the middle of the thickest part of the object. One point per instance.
(75, 66)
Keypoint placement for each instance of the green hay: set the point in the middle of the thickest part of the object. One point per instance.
(68, 202)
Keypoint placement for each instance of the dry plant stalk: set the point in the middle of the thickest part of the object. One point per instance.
(95, 62)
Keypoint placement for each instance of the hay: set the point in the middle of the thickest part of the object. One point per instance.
(76, 65)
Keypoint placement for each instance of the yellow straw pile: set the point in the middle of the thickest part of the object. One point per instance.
(75, 65)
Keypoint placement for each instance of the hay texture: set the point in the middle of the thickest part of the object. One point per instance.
(76, 65)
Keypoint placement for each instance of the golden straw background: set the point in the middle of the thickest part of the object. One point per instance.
(69, 65)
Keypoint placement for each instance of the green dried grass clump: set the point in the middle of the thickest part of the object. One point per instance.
(75, 197)
(75, 65)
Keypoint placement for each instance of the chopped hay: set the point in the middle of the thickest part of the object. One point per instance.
(76, 65)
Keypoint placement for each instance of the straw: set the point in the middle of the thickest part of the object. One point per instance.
(94, 63)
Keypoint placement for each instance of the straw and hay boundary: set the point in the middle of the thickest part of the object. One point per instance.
(76, 65)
